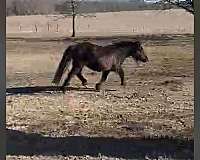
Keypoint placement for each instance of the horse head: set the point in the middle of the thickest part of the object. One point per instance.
(139, 54)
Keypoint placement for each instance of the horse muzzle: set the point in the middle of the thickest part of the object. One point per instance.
(145, 59)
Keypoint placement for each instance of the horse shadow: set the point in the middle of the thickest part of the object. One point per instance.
(29, 144)
(43, 89)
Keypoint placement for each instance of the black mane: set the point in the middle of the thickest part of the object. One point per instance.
(125, 43)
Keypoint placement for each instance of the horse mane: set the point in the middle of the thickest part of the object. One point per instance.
(125, 43)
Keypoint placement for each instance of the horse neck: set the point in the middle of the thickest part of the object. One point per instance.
(123, 54)
(128, 51)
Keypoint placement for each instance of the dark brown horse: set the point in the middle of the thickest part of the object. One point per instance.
(98, 58)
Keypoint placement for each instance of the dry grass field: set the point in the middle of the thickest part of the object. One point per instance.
(104, 24)
(152, 116)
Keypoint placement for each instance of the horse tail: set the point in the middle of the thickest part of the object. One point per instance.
(63, 65)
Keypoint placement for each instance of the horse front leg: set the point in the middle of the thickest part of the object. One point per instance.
(103, 79)
(120, 71)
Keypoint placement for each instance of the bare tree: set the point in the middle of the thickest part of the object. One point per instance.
(16, 7)
(29, 7)
(74, 7)
(188, 5)
(70, 7)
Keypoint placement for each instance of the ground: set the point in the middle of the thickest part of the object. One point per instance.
(153, 115)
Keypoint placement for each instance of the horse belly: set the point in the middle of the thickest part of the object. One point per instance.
(107, 63)
(102, 64)
(95, 67)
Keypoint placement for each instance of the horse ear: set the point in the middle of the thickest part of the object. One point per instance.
(138, 43)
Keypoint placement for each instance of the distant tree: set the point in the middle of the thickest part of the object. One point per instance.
(188, 5)
(29, 7)
(16, 7)
(74, 7)
(70, 7)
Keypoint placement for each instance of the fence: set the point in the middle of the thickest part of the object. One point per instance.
(39, 28)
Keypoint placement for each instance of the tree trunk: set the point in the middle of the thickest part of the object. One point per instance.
(73, 25)
(73, 17)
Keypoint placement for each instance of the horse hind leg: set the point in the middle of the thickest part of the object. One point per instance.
(74, 71)
(83, 80)
(103, 79)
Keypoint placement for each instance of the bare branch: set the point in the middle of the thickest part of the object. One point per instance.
(189, 8)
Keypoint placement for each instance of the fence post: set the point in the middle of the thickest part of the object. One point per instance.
(36, 29)
(48, 27)
(57, 28)
(20, 27)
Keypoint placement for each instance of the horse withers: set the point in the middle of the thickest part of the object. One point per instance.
(98, 58)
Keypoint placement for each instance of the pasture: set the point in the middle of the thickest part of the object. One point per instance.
(151, 116)
(174, 21)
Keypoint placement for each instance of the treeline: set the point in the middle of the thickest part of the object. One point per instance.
(33, 7)
(29, 7)
(116, 6)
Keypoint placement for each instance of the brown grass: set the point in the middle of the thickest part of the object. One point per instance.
(157, 101)
(104, 24)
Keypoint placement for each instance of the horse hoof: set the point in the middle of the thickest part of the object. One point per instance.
(98, 87)
(85, 86)
(63, 90)
(123, 84)
(84, 83)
